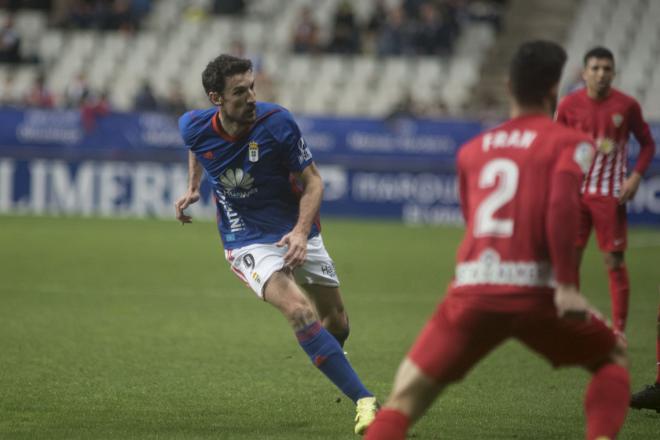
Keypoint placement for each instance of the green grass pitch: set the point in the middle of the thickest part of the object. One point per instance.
(136, 329)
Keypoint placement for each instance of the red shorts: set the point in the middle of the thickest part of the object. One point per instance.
(608, 218)
(464, 329)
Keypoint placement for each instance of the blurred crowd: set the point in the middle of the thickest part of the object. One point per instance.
(414, 27)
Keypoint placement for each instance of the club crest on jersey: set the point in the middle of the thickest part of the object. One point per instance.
(617, 119)
(605, 145)
(253, 151)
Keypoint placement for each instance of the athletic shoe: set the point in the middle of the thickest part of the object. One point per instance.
(365, 409)
(648, 398)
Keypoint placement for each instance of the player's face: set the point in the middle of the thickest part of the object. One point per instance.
(239, 101)
(598, 75)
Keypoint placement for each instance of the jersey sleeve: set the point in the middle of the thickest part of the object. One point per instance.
(462, 185)
(184, 129)
(563, 213)
(642, 133)
(287, 133)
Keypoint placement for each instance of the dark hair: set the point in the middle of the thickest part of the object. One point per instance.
(535, 68)
(598, 52)
(224, 66)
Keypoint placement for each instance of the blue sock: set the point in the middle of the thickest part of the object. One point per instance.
(328, 356)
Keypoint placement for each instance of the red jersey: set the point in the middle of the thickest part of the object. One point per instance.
(609, 122)
(519, 186)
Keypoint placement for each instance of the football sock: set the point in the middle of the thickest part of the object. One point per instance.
(619, 293)
(606, 401)
(657, 350)
(328, 356)
(389, 424)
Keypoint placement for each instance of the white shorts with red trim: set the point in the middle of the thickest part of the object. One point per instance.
(254, 265)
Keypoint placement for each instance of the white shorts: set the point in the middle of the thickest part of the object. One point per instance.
(254, 264)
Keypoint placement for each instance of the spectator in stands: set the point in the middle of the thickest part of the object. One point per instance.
(10, 42)
(145, 100)
(261, 76)
(375, 24)
(306, 33)
(13, 5)
(140, 9)
(101, 14)
(346, 34)
(39, 96)
(237, 49)
(175, 103)
(433, 33)
(229, 7)
(485, 11)
(406, 108)
(92, 108)
(76, 91)
(9, 96)
(396, 37)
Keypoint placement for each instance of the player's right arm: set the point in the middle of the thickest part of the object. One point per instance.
(562, 223)
(195, 173)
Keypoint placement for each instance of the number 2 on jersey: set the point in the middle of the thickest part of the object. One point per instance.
(503, 174)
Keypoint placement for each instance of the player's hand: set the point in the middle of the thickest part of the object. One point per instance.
(297, 248)
(188, 199)
(629, 188)
(570, 303)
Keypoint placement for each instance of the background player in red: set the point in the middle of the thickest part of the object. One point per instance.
(516, 272)
(609, 117)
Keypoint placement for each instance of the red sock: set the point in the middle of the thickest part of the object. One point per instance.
(606, 401)
(657, 349)
(619, 293)
(390, 424)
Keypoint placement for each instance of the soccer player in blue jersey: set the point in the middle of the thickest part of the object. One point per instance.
(268, 192)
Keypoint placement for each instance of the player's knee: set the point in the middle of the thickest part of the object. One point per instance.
(300, 314)
(619, 354)
(614, 260)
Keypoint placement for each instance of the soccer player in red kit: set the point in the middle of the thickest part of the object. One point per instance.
(609, 117)
(516, 272)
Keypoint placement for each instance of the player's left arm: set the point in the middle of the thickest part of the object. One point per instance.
(642, 133)
(310, 203)
(562, 222)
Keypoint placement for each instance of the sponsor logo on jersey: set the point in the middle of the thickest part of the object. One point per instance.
(617, 119)
(584, 156)
(303, 152)
(605, 145)
(237, 183)
(256, 277)
(208, 155)
(253, 151)
(234, 221)
(489, 268)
